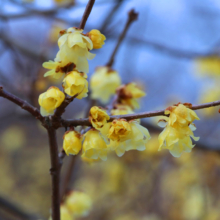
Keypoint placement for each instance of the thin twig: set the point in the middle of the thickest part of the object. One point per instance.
(132, 16)
(86, 122)
(22, 103)
(86, 14)
(55, 173)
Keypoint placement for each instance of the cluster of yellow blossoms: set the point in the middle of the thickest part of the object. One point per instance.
(178, 130)
(71, 65)
(77, 204)
(119, 136)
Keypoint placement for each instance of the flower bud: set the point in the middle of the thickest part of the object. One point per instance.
(97, 38)
(50, 100)
(72, 142)
(94, 146)
(75, 83)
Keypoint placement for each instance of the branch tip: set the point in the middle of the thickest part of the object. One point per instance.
(133, 16)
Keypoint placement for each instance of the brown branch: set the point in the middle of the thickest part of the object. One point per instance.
(132, 16)
(86, 122)
(55, 172)
(86, 14)
(22, 103)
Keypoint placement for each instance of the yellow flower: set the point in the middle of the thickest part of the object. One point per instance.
(74, 48)
(208, 65)
(98, 117)
(181, 114)
(129, 94)
(177, 139)
(50, 100)
(120, 130)
(55, 31)
(210, 95)
(131, 136)
(122, 110)
(57, 69)
(139, 137)
(64, 213)
(97, 38)
(76, 83)
(72, 142)
(94, 146)
(104, 83)
(78, 203)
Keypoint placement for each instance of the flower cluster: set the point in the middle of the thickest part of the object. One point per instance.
(119, 136)
(77, 204)
(178, 129)
(71, 65)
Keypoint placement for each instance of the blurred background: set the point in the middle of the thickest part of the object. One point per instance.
(171, 51)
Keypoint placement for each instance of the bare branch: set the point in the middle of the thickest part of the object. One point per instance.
(86, 14)
(132, 16)
(22, 103)
(86, 122)
(55, 173)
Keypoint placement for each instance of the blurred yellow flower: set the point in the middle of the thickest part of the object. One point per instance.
(64, 213)
(121, 109)
(72, 142)
(75, 83)
(50, 100)
(74, 48)
(94, 146)
(177, 139)
(208, 65)
(104, 83)
(97, 38)
(98, 117)
(55, 30)
(129, 94)
(78, 203)
(210, 95)
(181, 115)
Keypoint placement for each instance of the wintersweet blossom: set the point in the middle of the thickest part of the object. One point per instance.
(129, 94)
(181, 115)
(74, 47)
(104, 83)
(94, 146)
(64, 213)
(78, 203)
(176, 138)
(57, 69)
(97, 38)
(98, 117)
(75, 83)
(132, 136)
(121, 109)
(50, 100)
(72, 142)
(208, 65)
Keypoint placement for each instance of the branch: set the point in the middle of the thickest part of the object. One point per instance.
(86, 14)
(22, 103)
(15, 210)
(55, 173)
(132, 16)
(86, 122)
